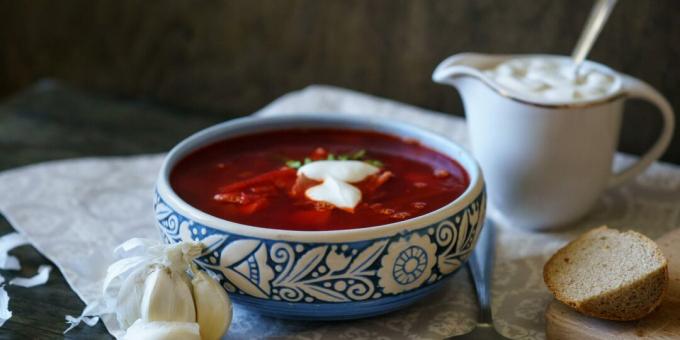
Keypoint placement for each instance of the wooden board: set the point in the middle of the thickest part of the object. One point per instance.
(563, 323)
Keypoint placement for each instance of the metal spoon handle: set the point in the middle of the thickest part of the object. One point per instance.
(481, 265)
(598, 16)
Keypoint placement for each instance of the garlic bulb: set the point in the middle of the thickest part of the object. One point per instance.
(213, 308)
(162, 330)
(151, 294)
(167, 297)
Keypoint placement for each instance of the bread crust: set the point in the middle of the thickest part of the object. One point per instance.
(612, 304)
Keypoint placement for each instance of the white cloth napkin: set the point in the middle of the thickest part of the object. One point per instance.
(76, 211)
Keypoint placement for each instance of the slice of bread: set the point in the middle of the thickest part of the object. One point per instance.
(609, 274)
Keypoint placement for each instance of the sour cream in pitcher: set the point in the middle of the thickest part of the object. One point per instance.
(551, 79)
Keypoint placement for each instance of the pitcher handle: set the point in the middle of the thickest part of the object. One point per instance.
(638, 89)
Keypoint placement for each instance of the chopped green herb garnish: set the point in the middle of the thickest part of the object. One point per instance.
(375, 163)
(354, 156)
(358, 155)
(293, 164)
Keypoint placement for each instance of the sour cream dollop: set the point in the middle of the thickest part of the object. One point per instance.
(338, 193)
(551, 79)
(336, 177)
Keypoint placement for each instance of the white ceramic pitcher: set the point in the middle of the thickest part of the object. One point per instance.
(546, 164)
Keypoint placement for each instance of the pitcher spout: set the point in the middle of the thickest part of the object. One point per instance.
(465, 64)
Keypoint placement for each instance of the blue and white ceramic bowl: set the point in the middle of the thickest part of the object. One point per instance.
(327, 275)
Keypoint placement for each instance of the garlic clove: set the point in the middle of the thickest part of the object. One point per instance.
(162, 330)
(167, 297)
(129, 299)
(213, 307)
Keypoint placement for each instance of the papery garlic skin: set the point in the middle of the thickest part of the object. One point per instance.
(179, 255)
(167, 297)
(129, 299)
(213, 307)
(162, 330)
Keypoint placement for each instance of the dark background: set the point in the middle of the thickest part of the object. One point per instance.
(232, 57)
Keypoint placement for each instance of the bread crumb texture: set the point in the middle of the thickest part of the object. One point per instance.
(609, 274)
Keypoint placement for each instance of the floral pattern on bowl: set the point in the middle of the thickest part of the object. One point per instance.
(329, 272)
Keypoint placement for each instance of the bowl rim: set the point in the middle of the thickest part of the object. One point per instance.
(254, 124)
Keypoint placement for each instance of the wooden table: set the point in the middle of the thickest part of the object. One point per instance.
(52, 121)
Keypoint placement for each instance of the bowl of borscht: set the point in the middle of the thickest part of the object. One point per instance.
(322, 217)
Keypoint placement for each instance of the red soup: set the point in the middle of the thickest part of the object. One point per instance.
(254, 179)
